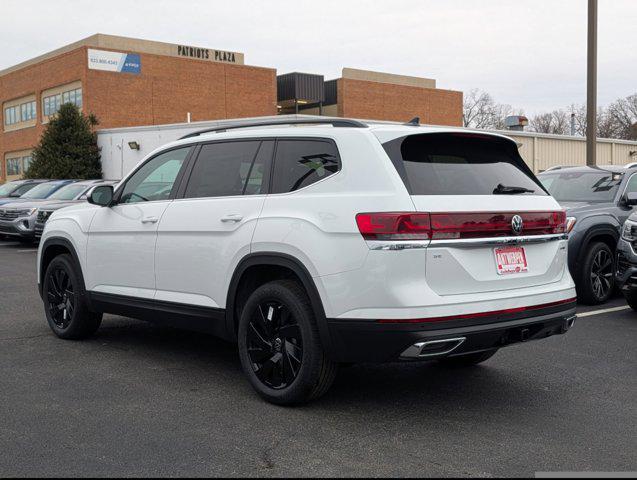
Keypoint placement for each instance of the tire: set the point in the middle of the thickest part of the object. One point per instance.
(469, 360)
(280, 347)
(596, 277)
(65, 304)
(631, 298)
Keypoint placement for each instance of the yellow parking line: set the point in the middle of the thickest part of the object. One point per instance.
(605, 310)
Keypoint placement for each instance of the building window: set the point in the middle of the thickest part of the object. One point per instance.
(28, 111)
(14, 166)
(53, 103)
(11, 115)
(24, 112)
(26, 162)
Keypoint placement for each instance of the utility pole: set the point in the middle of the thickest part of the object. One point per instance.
(591, 86)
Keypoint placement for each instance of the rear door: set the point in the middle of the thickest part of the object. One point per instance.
(494, 227)
(204, 233)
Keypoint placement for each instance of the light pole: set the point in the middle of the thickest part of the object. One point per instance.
(591, 86)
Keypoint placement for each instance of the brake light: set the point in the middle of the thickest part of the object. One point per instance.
(394, 226)
(457, 225)
(477, 225)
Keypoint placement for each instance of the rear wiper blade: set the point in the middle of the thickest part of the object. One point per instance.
(504, 189)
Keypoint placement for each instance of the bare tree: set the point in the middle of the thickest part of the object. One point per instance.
(556, 122)
(623, 115)
(477, 109)
(481, 111)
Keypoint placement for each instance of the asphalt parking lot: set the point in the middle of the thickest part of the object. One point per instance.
(139, 400)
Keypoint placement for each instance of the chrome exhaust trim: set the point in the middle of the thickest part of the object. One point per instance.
(432, 348)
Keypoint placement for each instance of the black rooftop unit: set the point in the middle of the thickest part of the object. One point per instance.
(300, 86)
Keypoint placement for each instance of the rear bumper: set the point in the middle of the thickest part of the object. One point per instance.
(371, 341)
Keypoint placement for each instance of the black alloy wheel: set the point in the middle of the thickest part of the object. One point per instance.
(280, 347)
(61, 299)
(595, 277)
(602, 274)
(274, 344)
(65, 306)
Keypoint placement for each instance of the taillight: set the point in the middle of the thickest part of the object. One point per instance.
(441, 226)
(394, 226)
(479, 225)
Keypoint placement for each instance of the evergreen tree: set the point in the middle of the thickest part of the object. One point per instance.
(68, 147)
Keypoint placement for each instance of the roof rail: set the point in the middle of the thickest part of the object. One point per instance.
(335, 122)
(556, 167)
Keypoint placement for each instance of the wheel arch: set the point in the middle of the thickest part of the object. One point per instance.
(607, 234)
(53, 247)
(281, 262)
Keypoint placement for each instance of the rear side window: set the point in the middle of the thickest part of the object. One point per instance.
(300, 163)
(459, 164)
(232, 168)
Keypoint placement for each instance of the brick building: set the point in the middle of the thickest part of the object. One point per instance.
(129, 82)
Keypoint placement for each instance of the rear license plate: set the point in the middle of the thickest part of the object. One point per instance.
(510, 260)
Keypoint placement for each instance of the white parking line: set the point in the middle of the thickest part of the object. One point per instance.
(27, 251)
(9, 244)
(605, 310)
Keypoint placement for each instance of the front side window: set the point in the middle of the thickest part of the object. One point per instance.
(300, 163)
(155, 180)
(231, 168)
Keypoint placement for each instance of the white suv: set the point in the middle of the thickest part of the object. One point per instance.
(313, 245)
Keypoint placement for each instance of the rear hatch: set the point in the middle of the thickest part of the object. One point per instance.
(493, 226)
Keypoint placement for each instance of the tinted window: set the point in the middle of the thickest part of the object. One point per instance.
(588, 186)
(155, 180)
(68, 193)
(233, 168)
(459, 164)
(43, 190)
(631, 185)
(21, 190)
(7, 188)
(300, 163)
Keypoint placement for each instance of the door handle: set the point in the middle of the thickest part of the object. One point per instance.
(150, 220)
(235, 217)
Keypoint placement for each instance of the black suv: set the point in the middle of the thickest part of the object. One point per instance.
(598, 201)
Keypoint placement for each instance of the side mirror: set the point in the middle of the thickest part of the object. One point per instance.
(630, 199)
(101, 196)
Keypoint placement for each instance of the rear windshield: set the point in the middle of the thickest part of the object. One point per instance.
(591, 186)
(461, 164)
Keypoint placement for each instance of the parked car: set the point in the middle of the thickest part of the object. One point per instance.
(597, 205)
(17, 188)
(316, 246)
(626, 272)
(11, 219)
(19, 218)
(53, 204)
(40, 192)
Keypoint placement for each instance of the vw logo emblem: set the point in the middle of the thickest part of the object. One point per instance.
(517, 224)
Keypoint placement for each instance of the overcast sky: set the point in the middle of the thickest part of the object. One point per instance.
(530, 54)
